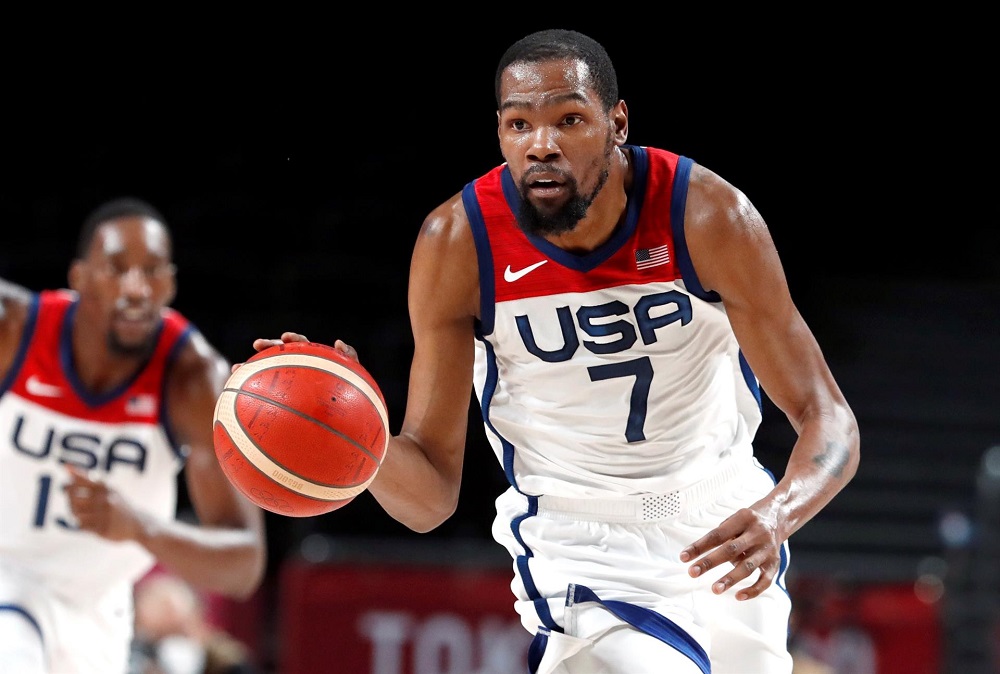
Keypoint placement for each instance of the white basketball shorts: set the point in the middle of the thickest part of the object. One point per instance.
(43, 633)
(601, 586)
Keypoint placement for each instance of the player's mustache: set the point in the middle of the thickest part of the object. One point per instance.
(547, 170)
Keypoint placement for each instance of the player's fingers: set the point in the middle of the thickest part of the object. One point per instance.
(715, 559)
(261, 344)
(737, 551)
(707, 542)
(346, 349)
(84, 493)
(78, 493)
(762, 583)
(79, 476)
(743, 567)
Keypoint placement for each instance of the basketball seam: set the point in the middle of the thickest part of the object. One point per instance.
(257, 456)
(307, 417)
(343, 372)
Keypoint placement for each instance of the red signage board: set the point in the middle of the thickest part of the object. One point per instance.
(389, 619)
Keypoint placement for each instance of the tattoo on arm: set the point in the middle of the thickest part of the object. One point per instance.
(834, 459)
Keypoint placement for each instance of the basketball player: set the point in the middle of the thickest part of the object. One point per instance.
(105, 394)
(617, 309)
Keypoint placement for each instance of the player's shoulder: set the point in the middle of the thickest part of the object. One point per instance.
(723, 230)
(15, 301)
(713, 202)
(448, 222)
(13, 298)
(198, 351)
(707, 184)
(196, 358)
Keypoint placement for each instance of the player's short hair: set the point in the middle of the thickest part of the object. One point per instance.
(558, 43)
(112, 210)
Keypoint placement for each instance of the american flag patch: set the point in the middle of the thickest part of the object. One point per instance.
(141, 405)
(651, 257)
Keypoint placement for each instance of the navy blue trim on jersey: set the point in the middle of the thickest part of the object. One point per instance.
(90, 398)
(751, 380)
(585, 263)
(487, 289)
(14, 608)
(648, 622)
(536, 649)
(539, 602)
(183, 339)
(489, 388)
(682, 179)
(677, 205)
(22, 348)
(779, 579)
(691, 281)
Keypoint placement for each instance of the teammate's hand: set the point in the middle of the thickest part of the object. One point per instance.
(749, 541)
(99, 509)
(289, 337)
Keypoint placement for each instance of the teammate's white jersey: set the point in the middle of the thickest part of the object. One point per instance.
(608, 373)
(48, 421)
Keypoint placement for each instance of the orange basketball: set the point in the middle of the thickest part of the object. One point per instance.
(301, 429)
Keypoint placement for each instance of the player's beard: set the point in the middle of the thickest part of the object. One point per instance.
(136, 350)
(566, 217)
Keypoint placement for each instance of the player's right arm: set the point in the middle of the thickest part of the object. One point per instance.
(419, 480)
(418, 483)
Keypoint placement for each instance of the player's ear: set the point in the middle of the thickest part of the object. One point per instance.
(619, 117)
(171, 286)
(76, 274)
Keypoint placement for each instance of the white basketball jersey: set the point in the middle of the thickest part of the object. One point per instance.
(608, 373)
(48, 421)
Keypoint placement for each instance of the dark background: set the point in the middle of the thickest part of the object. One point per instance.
(296, 167)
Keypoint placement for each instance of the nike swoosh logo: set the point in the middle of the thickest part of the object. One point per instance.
(511, 276)
(41, 389)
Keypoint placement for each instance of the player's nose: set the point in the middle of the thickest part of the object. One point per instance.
(544, 144)
(135, 282)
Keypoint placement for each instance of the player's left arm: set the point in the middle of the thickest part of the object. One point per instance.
(226, 551)
(734, 254)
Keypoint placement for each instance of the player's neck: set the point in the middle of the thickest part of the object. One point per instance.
(605, 215)
(96, 366)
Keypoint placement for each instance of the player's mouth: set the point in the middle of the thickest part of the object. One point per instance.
(546, 187)
(134, 321)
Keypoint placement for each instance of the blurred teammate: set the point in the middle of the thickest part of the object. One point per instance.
(616, 308)
(105, 395)
(174, 636)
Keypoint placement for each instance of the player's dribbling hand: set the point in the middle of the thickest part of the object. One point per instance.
(99, 509)
(288, 337)
(748, 541)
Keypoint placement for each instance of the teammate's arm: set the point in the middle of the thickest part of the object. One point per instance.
(734, 255)
(13, 305)
(227, 552)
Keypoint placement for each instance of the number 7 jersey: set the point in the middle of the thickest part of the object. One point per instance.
(610, 373)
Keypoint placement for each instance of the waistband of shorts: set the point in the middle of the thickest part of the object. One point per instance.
(641, 508)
